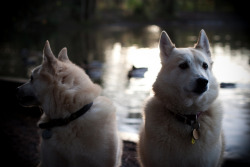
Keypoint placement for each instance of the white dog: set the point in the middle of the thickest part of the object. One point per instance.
(78, 127)
(183, 119)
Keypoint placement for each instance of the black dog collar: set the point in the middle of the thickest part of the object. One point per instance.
(64, 121)
(191, 119)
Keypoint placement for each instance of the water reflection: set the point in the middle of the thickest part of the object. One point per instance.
(236, 104)
(231, 65)
(108, 54)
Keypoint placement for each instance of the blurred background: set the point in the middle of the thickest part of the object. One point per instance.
(116, 42)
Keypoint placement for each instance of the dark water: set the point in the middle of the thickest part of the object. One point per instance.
(108, 53)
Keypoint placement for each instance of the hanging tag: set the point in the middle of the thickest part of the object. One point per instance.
(193, 141)
(195, 134)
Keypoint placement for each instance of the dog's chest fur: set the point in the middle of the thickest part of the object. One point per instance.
(171, 139)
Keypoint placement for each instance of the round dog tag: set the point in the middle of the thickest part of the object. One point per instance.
(46, 134)
(195, 134)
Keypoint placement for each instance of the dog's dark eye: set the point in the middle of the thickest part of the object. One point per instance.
(205, 66)
(184, 65)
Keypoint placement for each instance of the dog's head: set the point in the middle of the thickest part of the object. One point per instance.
(57, 85)
(186, 74)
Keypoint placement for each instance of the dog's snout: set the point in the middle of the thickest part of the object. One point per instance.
(201, 85)
(25, 96)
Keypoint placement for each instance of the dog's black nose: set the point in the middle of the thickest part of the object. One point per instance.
(18, 93)
(17, 89)
(201, 85)
(202, 82)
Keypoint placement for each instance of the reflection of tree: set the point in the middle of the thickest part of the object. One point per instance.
(167, 6)
(162, 8)
(87, 9)
(83, 10)
(46, 12)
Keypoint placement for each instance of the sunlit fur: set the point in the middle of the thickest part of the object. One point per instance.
(165, 141)
(60, 89)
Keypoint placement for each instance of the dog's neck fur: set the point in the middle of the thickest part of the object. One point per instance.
(58, 106)
(173, 101)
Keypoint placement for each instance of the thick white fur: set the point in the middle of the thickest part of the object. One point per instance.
(62, 88)
(165, 141)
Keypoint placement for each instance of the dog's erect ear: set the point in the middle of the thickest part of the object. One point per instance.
(48, 56)
(63, 56)
(166, 45)
(203, 43)
(49, 60)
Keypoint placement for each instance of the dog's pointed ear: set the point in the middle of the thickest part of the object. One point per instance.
(203, 43)
(48, 56)
(166, 45)
(63, 56)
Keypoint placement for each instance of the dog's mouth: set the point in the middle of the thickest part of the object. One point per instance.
(200, 90)
(27, 101)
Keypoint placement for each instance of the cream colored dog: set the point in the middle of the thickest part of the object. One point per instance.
(78, 127)
(183, 119)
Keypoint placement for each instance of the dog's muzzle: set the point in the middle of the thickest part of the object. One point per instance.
(26, 98)
(201, 86)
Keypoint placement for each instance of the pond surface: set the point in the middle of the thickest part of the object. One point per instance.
(109, 53)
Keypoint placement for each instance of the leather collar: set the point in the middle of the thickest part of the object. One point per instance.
(191, 119)
(64, 121)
